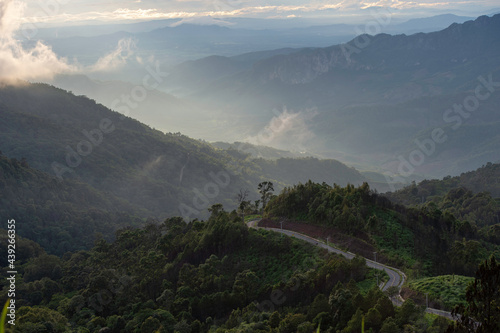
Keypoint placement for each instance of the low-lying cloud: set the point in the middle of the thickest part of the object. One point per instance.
(287, 130)
(115, 59)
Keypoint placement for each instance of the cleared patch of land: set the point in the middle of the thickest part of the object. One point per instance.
(445, 291)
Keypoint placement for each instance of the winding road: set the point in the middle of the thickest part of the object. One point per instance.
(396, 277)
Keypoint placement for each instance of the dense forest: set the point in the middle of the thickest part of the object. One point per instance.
(60, 216)
(73, 137)
(485, 179)
(473, 197)
(69, 177)
(92, 255)
(291, 171)
(213, 276)
(425, 240)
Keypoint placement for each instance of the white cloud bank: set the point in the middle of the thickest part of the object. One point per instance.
(16, 63)
(153, 9)
(38, 62)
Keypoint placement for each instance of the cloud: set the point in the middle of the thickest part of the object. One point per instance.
(115, 59)
(287, 130)
(116, 10)
(39, 62)
(153, 9)
(17, 63)
(206, 20)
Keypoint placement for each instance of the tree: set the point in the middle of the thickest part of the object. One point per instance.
(291, 322)
(392, 291)
(150, 325)
(274, 320)
(408, 313)
(256, 206)
(266, 190)
(242, 195)
(40, 319)
(319, 305)
(385, 307)
(246, 285)
(373, 318)
(481, 314)
(243, 207)
(389, 326)
(216, 209)
(243, 204)
(355, 323)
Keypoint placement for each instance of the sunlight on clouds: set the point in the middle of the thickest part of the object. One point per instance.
(204, 20)
(397, 4)
(150, 10)
(16, 63)
(116, 59)
(40, 62)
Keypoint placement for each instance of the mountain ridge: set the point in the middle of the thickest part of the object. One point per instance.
(352, 56)
(73, 137)
(400, 86)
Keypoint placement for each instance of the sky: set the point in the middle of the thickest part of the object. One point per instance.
(60, 12)
(18, 63)
(40, 61)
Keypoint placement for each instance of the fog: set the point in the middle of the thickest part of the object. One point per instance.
(288, 86)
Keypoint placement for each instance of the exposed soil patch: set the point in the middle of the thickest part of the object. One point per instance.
(359, 243)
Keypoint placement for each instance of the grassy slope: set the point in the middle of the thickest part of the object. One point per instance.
(446, 289)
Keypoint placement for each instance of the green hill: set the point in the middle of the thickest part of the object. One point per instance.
(425, 239)
(60, 216)
(473, 196)
(217, 276)
(446, 290)
(73, 137)
(92, 159)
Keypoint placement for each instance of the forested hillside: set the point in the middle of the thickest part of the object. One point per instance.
(72, 137)
(60, 216)
(427, 239)
(216, 276)
(79, 169)
(473, 196)
(484, 179)
(288, 171)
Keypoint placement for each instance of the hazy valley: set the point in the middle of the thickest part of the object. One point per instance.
(403, 86)
(148, 165)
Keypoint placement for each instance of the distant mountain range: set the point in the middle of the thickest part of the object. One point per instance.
(372, 97)
(365, 102)
(173, 41)
(297, 25)
(427, 24)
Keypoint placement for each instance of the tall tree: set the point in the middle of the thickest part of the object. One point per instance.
(482, 312)
(241, 197)
(266, 190)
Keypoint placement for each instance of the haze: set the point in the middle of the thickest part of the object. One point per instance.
(227, 70)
